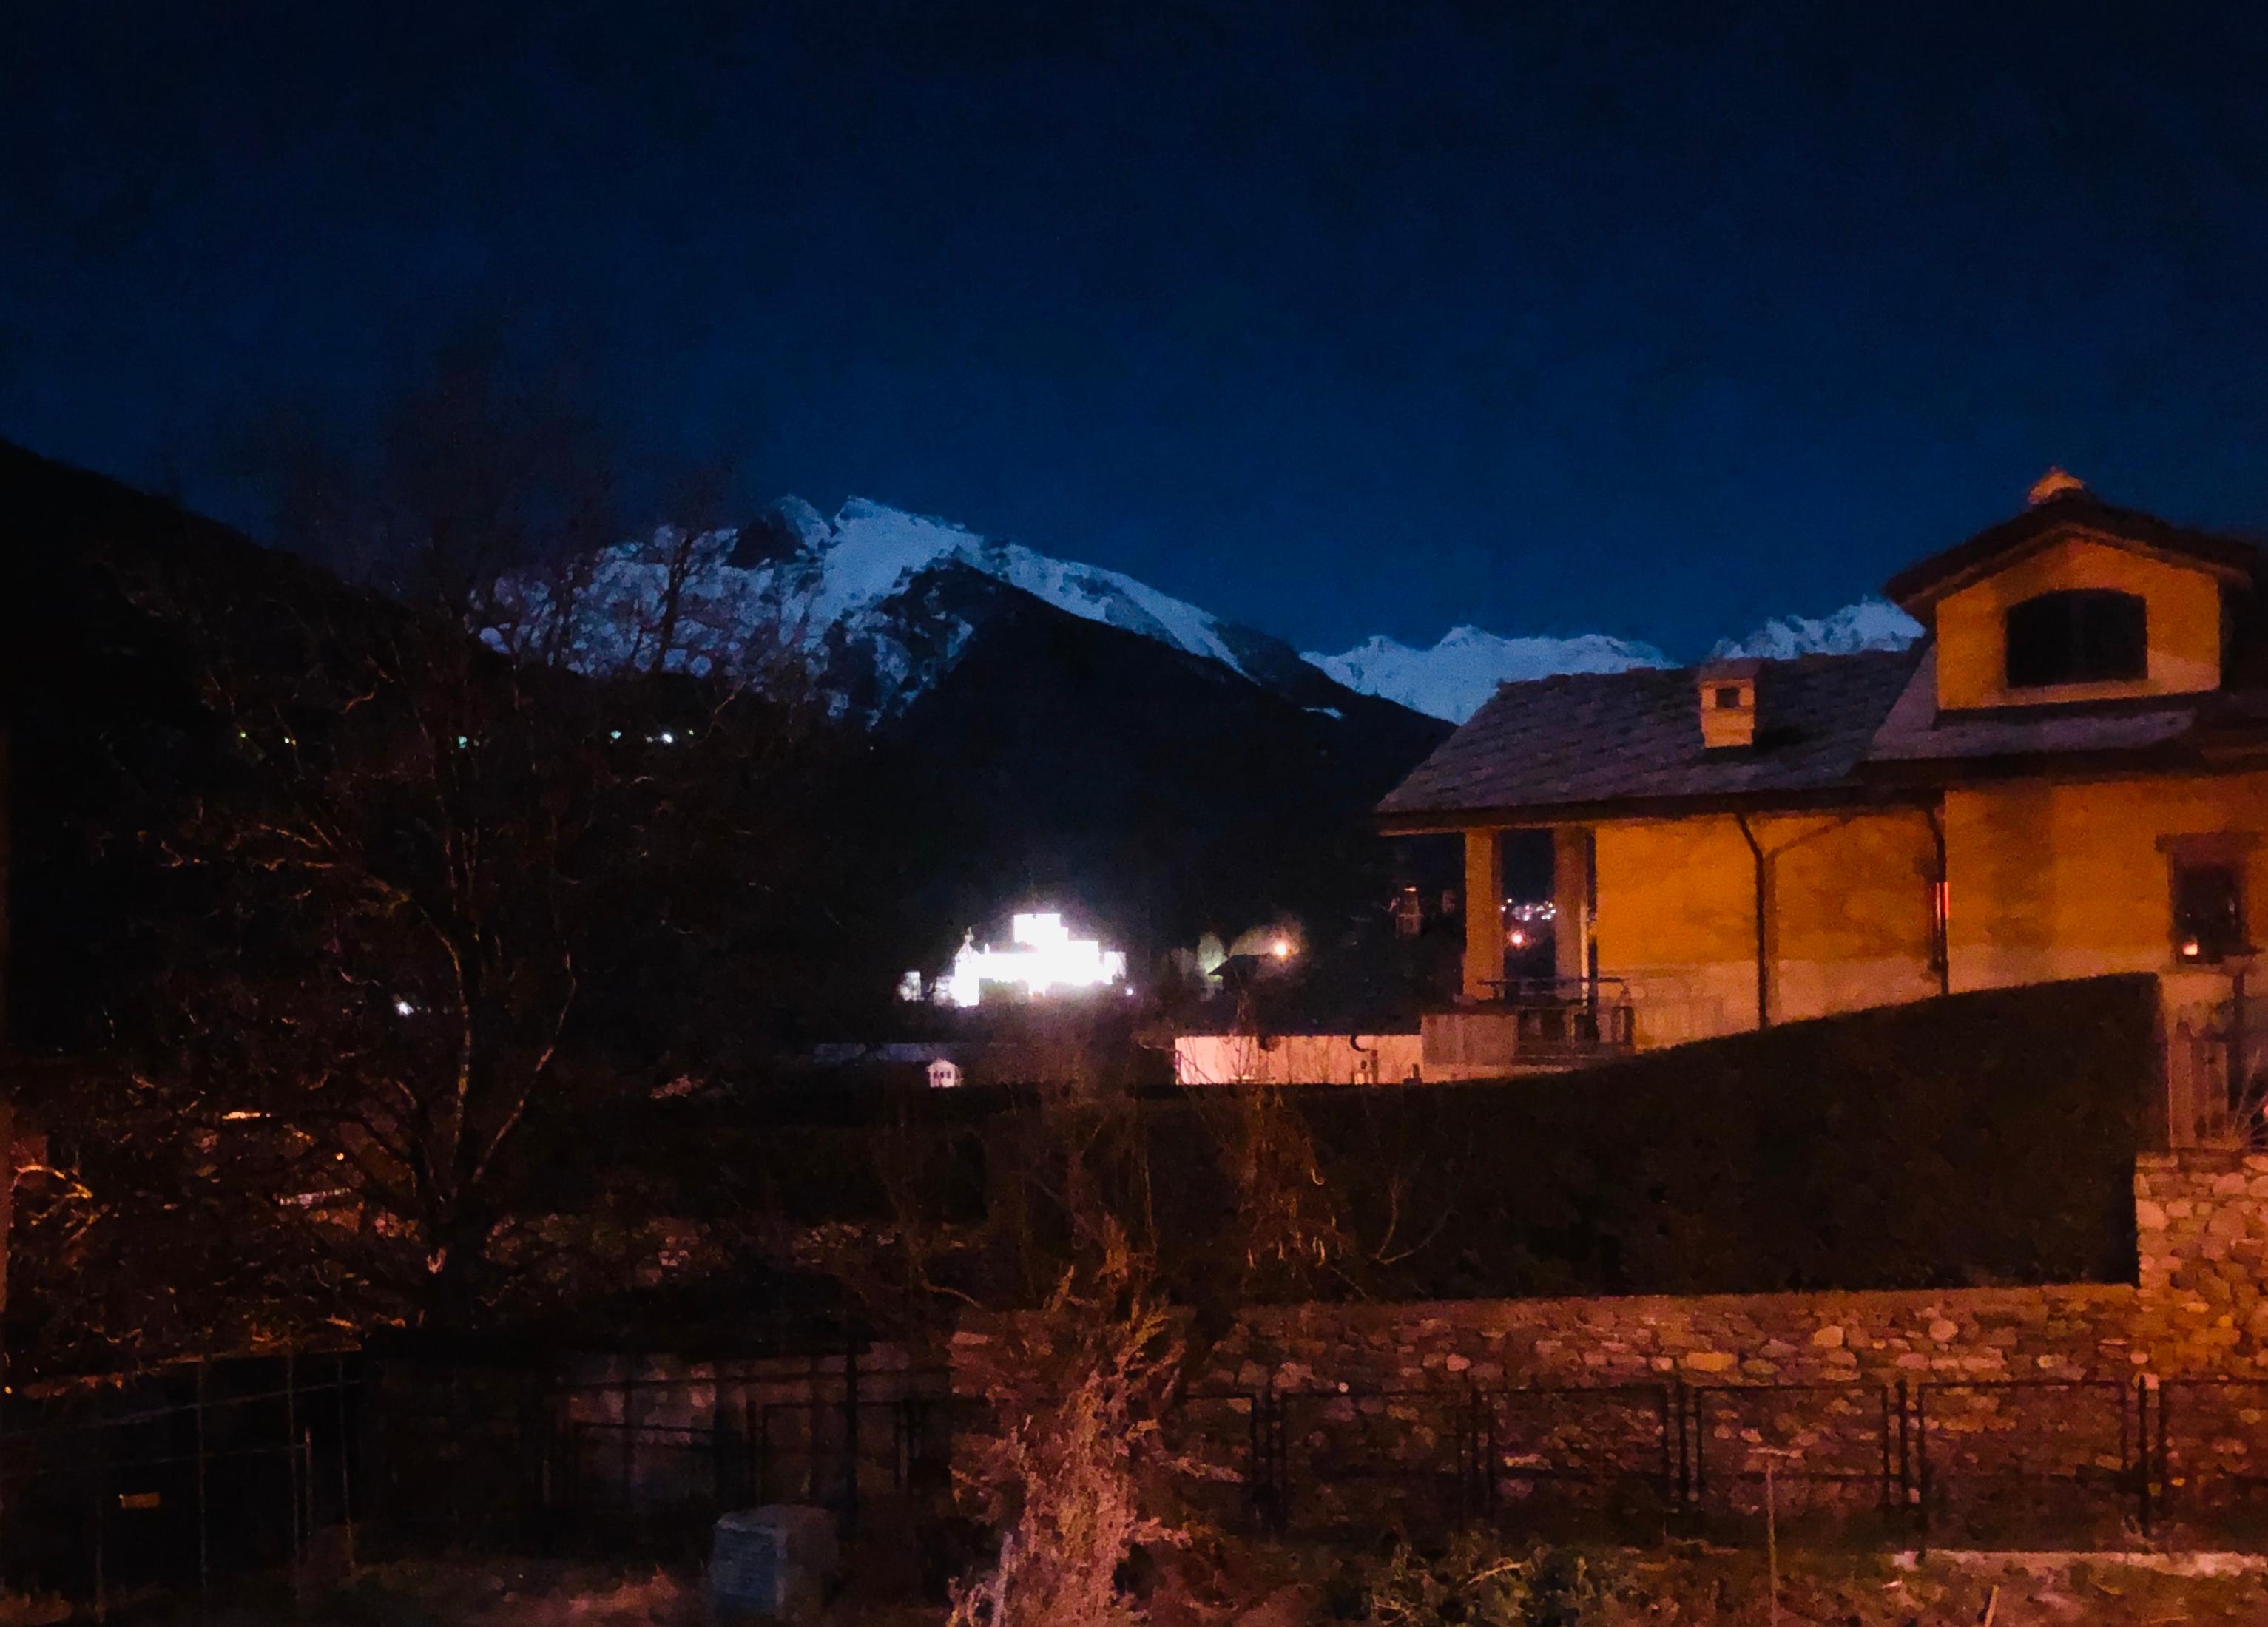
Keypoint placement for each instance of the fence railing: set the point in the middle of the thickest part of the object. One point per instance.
(2002, 1463)
(2005, 1462)
(185, 1477)
(262, 1471)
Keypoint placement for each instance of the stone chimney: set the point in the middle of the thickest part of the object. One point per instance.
(2053, 484)
(1728, 703)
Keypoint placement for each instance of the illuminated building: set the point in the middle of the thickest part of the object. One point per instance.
(1043, 958)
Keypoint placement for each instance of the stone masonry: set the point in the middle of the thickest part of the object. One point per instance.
(2197, 1311)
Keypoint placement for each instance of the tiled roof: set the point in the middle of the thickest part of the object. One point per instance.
(1917, 732)
(1588, 739)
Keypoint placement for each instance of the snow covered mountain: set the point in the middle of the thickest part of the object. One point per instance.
(1870, 624)
(878, 602)
(877, 605)
(1451, 679)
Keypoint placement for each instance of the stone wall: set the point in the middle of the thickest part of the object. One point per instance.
(2048, 1402)
(2201, 1227)
(2197, 1311)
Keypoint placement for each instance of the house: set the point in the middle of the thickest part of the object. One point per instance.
(2068, 775)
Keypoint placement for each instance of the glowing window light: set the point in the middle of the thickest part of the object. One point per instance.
(1045, 957)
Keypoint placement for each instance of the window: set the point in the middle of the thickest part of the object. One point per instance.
(1728, 698)
(2086, 635)
(2208, 911)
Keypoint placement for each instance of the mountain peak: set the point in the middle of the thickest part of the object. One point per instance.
(1464, 669)
(870, 599)
(1869, 624)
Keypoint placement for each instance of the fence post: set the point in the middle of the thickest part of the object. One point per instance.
(629, 1447)
(2153, 1386)
(1884, 1489)
(1270, 1466)
(849, 1433)
(346, 1481)
(721, 1492)
(1473, 1467)
(756, 1454)
(1673, 1474)
(101, 1505)
(764, 1451)
(1921, 1464)
(204, 1553)
(1256, 1472)
(291, 1468)
(1906, 1495)
(1489, 1456)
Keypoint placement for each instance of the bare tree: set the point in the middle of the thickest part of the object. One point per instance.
(433, 892)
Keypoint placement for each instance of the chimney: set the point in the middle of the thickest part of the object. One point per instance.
(2053, 484)
(1728, 703)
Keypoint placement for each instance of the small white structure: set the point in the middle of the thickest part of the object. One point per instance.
(1045, 957)
(944, 1073)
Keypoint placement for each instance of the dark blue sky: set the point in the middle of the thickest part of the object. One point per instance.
(1337, 320)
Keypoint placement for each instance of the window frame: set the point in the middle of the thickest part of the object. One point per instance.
(2077, 654)
(2227, 852)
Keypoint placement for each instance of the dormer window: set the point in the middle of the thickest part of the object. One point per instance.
(2087, 635)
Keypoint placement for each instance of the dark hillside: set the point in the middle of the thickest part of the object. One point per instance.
(1158, 794)
(106, 733)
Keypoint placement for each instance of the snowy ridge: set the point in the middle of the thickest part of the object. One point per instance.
(877, 604)
(867, 602)
(875, 548)
(1456, 675)
(1870, 624)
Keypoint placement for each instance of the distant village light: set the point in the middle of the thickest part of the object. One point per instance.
(1045, 957)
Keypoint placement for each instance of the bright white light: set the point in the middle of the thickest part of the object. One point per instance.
(1281, 949)
(1046, 957)
(403, 1008)
(667, 739)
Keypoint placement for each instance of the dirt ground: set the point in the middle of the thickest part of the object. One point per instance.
(1702, 1587)
(1822, 1591)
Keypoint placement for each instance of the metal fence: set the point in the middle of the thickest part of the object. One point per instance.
(1985, 1462)
(189, 1477)
(2094, 1462)
(645, 1478)
(192, 1478)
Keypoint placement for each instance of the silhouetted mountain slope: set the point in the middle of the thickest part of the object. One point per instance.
(106, 729)
(1157, 793)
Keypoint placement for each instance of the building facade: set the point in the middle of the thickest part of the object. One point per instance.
(2066, 775)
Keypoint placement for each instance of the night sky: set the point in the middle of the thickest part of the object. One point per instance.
(1335, 319)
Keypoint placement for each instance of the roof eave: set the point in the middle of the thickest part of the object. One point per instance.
(1446, 821)
(1920, 588)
